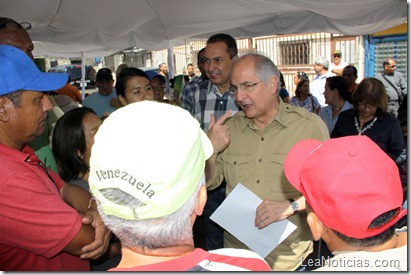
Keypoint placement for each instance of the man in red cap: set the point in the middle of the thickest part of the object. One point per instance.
(354, 201)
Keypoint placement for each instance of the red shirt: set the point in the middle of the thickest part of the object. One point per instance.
(35, 222)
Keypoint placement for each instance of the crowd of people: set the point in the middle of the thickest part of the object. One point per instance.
(128, 178)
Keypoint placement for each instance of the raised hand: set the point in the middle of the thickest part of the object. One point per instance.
(219, 133)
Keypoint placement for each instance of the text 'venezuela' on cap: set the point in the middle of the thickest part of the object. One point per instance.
(348, 182)
(130, 154)
(19, 72)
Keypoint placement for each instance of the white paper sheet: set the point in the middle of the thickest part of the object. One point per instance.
(237, 214)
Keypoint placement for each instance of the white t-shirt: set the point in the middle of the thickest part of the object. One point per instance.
(317, 87)
(342, 65)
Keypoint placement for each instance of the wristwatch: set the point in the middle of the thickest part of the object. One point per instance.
(294, 206)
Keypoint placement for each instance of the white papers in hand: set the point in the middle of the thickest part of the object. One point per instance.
(237, 215)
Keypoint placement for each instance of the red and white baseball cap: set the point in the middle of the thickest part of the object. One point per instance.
(348, 182)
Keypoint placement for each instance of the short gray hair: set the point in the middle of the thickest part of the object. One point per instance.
(171, 230)
(322, 61)
(264, 68)
(15, 97)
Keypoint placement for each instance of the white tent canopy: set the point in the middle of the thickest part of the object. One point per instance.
(91, 28)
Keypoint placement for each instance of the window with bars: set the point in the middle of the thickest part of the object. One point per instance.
(294, 52)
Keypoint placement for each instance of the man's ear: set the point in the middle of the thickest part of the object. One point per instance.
(273, 83)
(122, 100)
(201, 201)
(316, 226)
(4, 114)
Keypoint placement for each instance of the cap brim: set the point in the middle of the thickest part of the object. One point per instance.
(48, 82)
(296, 158)
(152, 75)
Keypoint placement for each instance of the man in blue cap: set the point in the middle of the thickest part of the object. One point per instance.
(45, 224)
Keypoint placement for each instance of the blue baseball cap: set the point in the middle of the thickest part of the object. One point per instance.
(153, 74)
(19, 72)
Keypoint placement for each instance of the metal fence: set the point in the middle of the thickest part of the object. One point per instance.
(291, 53)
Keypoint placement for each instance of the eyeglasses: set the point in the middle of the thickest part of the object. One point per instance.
(391, 66)
(247, 87)
(14, 25)
(365, 105)
(336, 55)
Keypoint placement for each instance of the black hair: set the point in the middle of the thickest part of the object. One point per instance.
(353, 68)
(228, 40)
(69, 139)
(374, 240)
(282, 80)
(387, 61)
(7, 20)
(199, 52)
(300, 83)
(338, 82)
(302, 75)
(8, 23)
(124, 76)
(198, 57)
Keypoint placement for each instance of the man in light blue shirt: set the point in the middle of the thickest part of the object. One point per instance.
(321, 66)
(100, 101)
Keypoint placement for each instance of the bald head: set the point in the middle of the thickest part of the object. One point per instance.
(15, 36)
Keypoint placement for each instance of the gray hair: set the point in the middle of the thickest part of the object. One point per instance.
(264, 68)
(171, 230)
(15, 97)
(322, 61)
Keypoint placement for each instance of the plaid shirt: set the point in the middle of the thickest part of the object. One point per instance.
(202, 98)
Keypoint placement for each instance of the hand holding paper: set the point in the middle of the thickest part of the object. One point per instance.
(238, 218)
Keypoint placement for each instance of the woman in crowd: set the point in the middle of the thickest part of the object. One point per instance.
(304, 99)
(284, 94)
(133, 85)
(72, 140)
(338, 99)
(298, 76)
(369, 117)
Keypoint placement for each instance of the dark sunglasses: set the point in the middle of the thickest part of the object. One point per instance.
(14, 25)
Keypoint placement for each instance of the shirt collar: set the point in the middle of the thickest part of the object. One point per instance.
(280, 116)
(215, 90)
(23, 155)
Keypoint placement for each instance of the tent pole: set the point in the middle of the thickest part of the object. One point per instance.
(83, 76)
